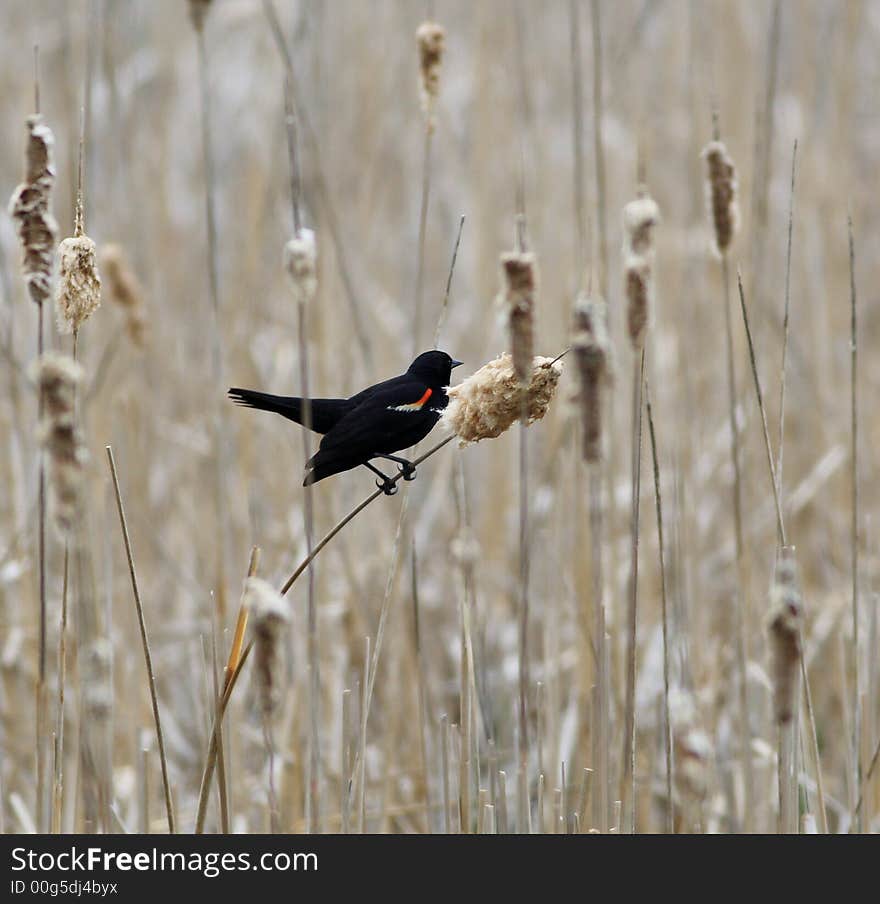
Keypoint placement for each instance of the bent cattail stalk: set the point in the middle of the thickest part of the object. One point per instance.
(639, 219)
(30, 208)
(519, 272)
(270, 615)
(786, 620)
(125, 290)
(78, 293)
(431, 40)
(300, 258)
(721, 195)
(592, 354)
(58, 376)
(490, 401)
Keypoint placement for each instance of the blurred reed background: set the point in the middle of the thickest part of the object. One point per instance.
(553, 112)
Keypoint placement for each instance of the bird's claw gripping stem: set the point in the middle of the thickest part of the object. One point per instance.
(387, 486)
(408, 470)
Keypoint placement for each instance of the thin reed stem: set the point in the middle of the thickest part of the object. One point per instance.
(741, 605)
(145, 643)
(441, 320)
(350, 516)
(780, 524)
(423, 229)
(667, 724)
(854, 526)
(783, 371)
(629, 739)
(599, 148)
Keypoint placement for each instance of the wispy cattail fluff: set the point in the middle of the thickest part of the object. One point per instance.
(786, 620)
(78, 293)
(692, 750)
(431, 40)
(519, 275)
(30, 208)
(300, 258)
(270, 616)
(721, 195)
(125, 290)
(639, 219)
(490, 401)
(57, 377)
(591, 346)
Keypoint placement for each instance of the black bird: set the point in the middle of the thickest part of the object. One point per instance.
(375, 423)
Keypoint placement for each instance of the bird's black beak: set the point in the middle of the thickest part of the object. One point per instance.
(457, 363)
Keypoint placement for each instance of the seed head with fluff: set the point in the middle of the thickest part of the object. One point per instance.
(591, 347)
(519, 275)
(31, 210)
(490, 401)
(721, 195)
(786, 622)
(639, 219)
(300, 255)
(78, 292)
(270, 617)
(57, 377)
(431, 41)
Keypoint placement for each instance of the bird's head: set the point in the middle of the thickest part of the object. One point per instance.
(433, 368)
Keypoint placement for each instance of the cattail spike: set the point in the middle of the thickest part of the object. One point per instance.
(519, 273)
(721, 195)
(786, 620)
(431, 41)
(269, 615)
(300, 255)
(592, 353)
(78, 293)
(30, 208)
(490, 401)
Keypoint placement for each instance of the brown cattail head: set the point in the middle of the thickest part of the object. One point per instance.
(639, 219)
(591, 346)
(300, 256)
(490, 401)
(57, 377)
(270, 616)
(78, 293)
(519, 274)
(30, 208)
(721, 195)
(431, 41)
(786, 621)
(125, 290)
(198, 9)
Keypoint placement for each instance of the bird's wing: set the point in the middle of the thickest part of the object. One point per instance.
(381, 415)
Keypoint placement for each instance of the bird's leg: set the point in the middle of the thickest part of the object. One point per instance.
(386, 484)
(407, 468)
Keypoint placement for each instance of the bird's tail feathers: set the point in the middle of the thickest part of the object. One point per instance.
(324, 413)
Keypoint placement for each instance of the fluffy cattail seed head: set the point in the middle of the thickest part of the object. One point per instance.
(57, 377)
(639, 219)
(270, 616)
(125, 290)
(490, 401)
(30, 208)
(78, 293)
(519, 274)
(431, 41)
(721, 194)
(786, 621)
(692, 750)
(591, 346)
(300, 257)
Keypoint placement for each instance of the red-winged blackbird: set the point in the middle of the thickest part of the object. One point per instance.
(383, 419)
